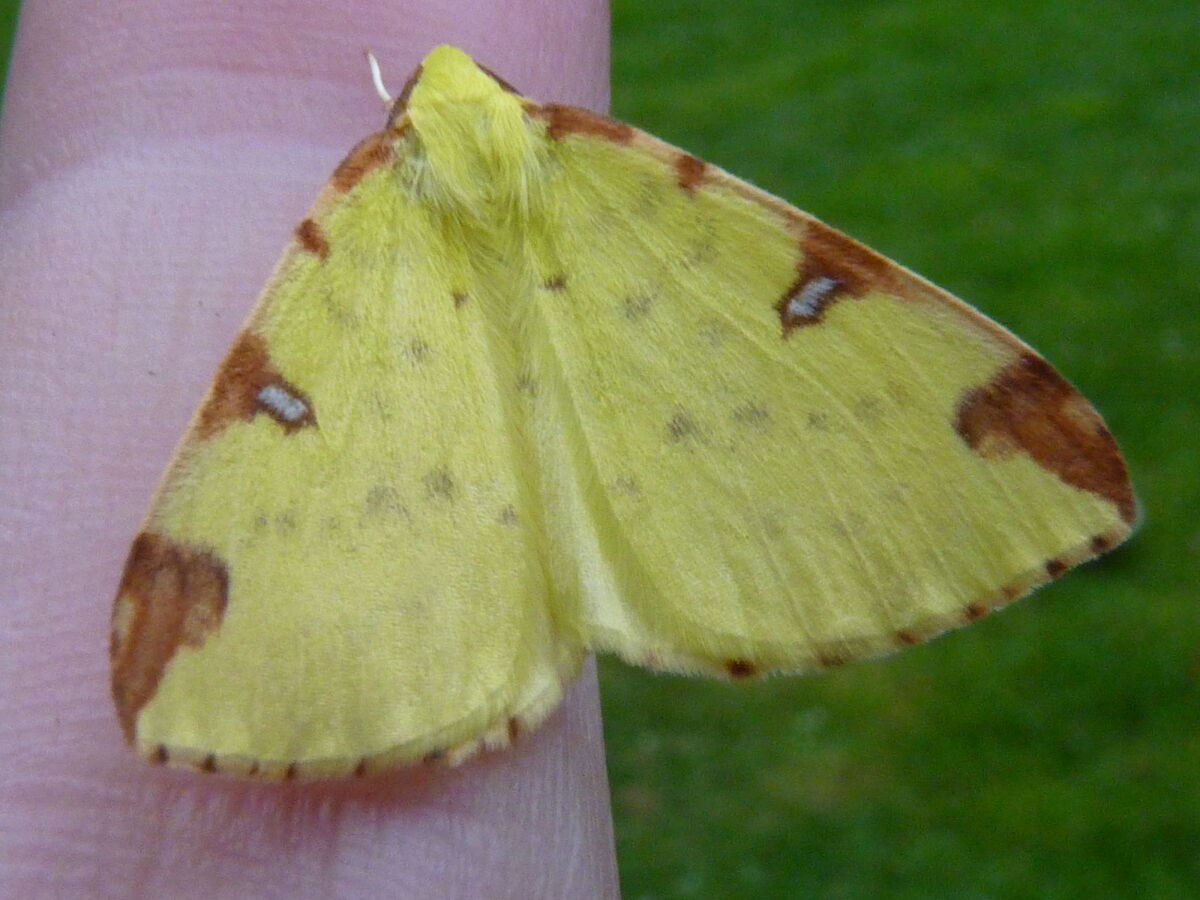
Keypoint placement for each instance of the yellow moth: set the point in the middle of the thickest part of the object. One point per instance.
(530, 383)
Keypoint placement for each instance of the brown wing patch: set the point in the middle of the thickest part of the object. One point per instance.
(248, 383)
(1029, 408)
(1055, 567)
(312, 238)
(690, 171)
(170, 595)
(740, 668)
(370, 153)
(564, 120)
(832, 267)
(973, 611)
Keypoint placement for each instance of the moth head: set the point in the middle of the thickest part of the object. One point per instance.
(476, 149)
(449, 76)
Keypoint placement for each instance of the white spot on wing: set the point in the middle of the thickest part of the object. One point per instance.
(806, 303)
(284, 405)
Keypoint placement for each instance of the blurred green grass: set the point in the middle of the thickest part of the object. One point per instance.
(1039, 160)
(8, 24)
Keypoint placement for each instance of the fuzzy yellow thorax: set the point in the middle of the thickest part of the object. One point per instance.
(475, 154)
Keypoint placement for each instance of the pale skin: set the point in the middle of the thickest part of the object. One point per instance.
(154, 158)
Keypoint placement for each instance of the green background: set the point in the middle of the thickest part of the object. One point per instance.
(1041, 160)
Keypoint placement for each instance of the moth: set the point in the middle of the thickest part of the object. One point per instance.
(529, 383)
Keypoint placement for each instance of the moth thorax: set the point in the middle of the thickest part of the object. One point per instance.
(479, 159)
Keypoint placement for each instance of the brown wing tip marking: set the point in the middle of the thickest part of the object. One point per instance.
(312, 238)
(974, 611)
(1055, 567)
(832, 267)
(741, 668)
(1028, 407)
(564, 120)
(370, 153)
(248, 383)
(690, 171)
(170, 595)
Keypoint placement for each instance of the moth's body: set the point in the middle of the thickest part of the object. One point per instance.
(530, 383)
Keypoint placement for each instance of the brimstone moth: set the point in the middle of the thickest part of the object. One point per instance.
(529, 383)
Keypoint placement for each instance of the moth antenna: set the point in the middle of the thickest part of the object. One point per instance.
(377, 78)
